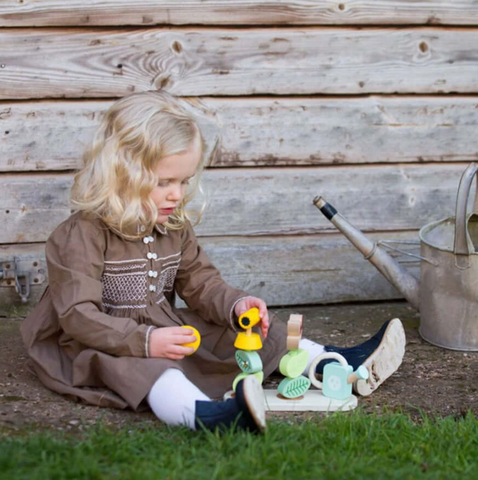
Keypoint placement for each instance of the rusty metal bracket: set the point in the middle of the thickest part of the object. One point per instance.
(20, 274)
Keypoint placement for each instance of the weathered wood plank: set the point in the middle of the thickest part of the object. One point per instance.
(282, 270)
(263, 201)
(97, 62)
(261, 131)
(32, 206)
(240, 12)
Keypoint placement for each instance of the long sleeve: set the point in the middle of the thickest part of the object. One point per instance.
(75, 256)
(200, 284)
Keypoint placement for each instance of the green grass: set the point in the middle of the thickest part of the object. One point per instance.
(343, 446)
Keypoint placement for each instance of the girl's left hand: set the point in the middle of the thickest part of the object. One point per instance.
(251, 302)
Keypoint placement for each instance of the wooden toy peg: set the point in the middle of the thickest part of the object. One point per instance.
(360, 374)
(294, 325)
(248, 340)
(294, 331)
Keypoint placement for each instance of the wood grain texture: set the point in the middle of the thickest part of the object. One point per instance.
(282, 270)
(263, 201)
(66, 63)
(40, 136)
(279, 12)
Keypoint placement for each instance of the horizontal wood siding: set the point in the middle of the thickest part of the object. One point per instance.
(263, 201)
(372, 104)
(99, 62)
(283, 270)
(262, 132)
(227, 12)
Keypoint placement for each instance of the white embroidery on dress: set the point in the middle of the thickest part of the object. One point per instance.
(174, 262)
(169, 256)
(109, 305)
(139, 260)
(109, 268)
(124, 290)
(129, 274)
(146, 343)
(166, 279)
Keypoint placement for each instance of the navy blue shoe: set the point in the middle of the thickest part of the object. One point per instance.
(381, 354)
(246, 411)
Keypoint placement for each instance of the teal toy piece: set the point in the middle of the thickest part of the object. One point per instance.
(338, 377)
(334, 384)
(293, 387)
(248, 361)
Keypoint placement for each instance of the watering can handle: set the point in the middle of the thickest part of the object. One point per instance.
(461, 244)
(329, 355)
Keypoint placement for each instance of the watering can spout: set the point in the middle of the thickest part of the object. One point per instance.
(397, 275)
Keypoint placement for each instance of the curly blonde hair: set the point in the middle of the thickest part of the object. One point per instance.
(117, 179)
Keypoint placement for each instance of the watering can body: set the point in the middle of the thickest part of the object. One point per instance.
(447, 294)
(448, 289)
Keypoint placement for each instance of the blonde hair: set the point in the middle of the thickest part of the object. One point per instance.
(117, 179)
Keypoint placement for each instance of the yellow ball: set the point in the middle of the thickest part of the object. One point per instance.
(195, 344)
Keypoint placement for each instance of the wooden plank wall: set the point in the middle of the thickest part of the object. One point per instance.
(372, 104)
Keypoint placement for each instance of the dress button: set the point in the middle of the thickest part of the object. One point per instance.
(152, 273)
(152, 288)
(149, 255)
(146, 240)
(155, 256)
(151, 239)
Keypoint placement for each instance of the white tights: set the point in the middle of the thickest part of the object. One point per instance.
(173, 397)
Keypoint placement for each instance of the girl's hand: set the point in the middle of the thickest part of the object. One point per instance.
(166, 342)
(251, 302)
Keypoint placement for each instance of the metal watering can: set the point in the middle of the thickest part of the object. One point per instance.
(447, 294)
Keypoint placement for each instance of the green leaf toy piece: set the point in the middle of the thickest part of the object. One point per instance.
(293, 387)
(249, 362)
(294, 363)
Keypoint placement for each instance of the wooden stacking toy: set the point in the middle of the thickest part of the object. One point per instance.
(294, 363)
(247, 343)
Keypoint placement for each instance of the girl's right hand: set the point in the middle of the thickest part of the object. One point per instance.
(166, 342)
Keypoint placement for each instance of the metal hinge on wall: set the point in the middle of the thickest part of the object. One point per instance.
(21, 273)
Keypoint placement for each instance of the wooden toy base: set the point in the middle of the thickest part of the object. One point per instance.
(311, 401)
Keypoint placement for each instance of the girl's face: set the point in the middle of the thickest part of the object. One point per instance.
(173, 173)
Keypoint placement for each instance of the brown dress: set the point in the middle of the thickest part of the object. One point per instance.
(88, 336)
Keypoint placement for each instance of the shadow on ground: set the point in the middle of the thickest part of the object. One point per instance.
(432, 380)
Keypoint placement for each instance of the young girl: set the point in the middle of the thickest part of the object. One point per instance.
(106, 330)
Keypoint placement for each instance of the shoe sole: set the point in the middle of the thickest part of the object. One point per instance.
(385, 360)
(254, 397)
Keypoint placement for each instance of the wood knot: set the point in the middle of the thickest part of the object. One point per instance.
(423, 47)
(177, 47)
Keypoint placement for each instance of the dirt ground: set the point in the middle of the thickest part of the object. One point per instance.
(432, 380)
